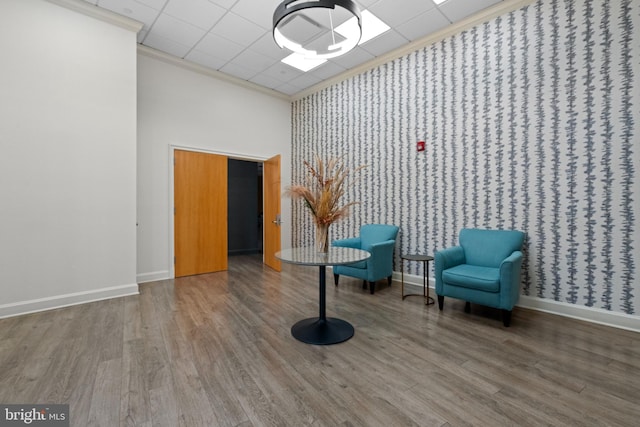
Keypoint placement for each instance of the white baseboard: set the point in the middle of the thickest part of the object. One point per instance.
(153, 276)
(60, 301)
(580, 312)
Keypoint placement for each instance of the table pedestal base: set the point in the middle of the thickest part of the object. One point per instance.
(322, 332)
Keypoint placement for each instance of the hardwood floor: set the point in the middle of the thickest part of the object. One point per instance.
(216, 349)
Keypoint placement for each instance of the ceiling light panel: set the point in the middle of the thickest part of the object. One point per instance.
(303, 63)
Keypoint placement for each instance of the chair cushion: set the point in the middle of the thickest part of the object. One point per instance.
(359, 264)
(473, 277)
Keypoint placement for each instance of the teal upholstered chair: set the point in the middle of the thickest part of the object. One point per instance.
(484, 269)
(380, 241)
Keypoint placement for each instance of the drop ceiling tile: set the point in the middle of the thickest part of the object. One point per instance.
(227, 4)
(267, 46)
(168, 27)
(238, 29)
(302, 29)
(266, 81)
(396, 13)
(133, 10)
(258, 12)
(327, 70)
(238, 71)
(201, 13)
(287, 89)
(282, 72)
(235, 35)
(364, 4)
(205, 60)
(384, 43)
(304, 81)
(424, 24)
(166, 45)
(253, 61)
(456, 10)
(219, 47)
(353, 58)
(156, 4)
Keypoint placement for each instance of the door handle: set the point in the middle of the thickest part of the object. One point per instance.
(277, 221)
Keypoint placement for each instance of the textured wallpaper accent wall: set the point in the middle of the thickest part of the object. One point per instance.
(531, 122)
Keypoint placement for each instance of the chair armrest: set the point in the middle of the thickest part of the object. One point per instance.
(382, 249)
(510, 279)
(450, 257)
(381, 262)
(447, 258)
(353, 242)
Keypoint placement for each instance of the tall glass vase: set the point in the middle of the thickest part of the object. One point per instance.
(322, 238)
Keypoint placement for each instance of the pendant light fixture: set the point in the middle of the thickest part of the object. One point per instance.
(309, 27)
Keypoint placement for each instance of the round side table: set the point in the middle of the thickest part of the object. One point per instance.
(425, 275)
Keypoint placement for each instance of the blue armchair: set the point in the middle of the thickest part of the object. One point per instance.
(484, 269)
(380, 241)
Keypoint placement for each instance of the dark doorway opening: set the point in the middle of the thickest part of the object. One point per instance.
(245, 214)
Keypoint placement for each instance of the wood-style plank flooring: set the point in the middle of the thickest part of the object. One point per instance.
(216, 349)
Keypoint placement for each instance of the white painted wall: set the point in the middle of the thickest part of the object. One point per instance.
(180, 107)
(67, 157)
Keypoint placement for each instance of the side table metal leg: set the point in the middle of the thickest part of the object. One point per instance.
(429, 300)
(402, 273)
(424, 280)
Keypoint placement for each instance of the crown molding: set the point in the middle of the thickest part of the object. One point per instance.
(494, 11)
(104, 15)
(192, 66)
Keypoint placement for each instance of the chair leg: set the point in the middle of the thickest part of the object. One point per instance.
(336, 277)
(372, 287)
(506, 318)
(440, 302)
(389, 280)
(467, 307)
(364, 284)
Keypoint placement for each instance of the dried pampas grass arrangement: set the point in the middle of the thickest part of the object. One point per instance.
(324, 186)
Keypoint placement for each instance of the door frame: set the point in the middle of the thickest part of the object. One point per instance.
(171, 151)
